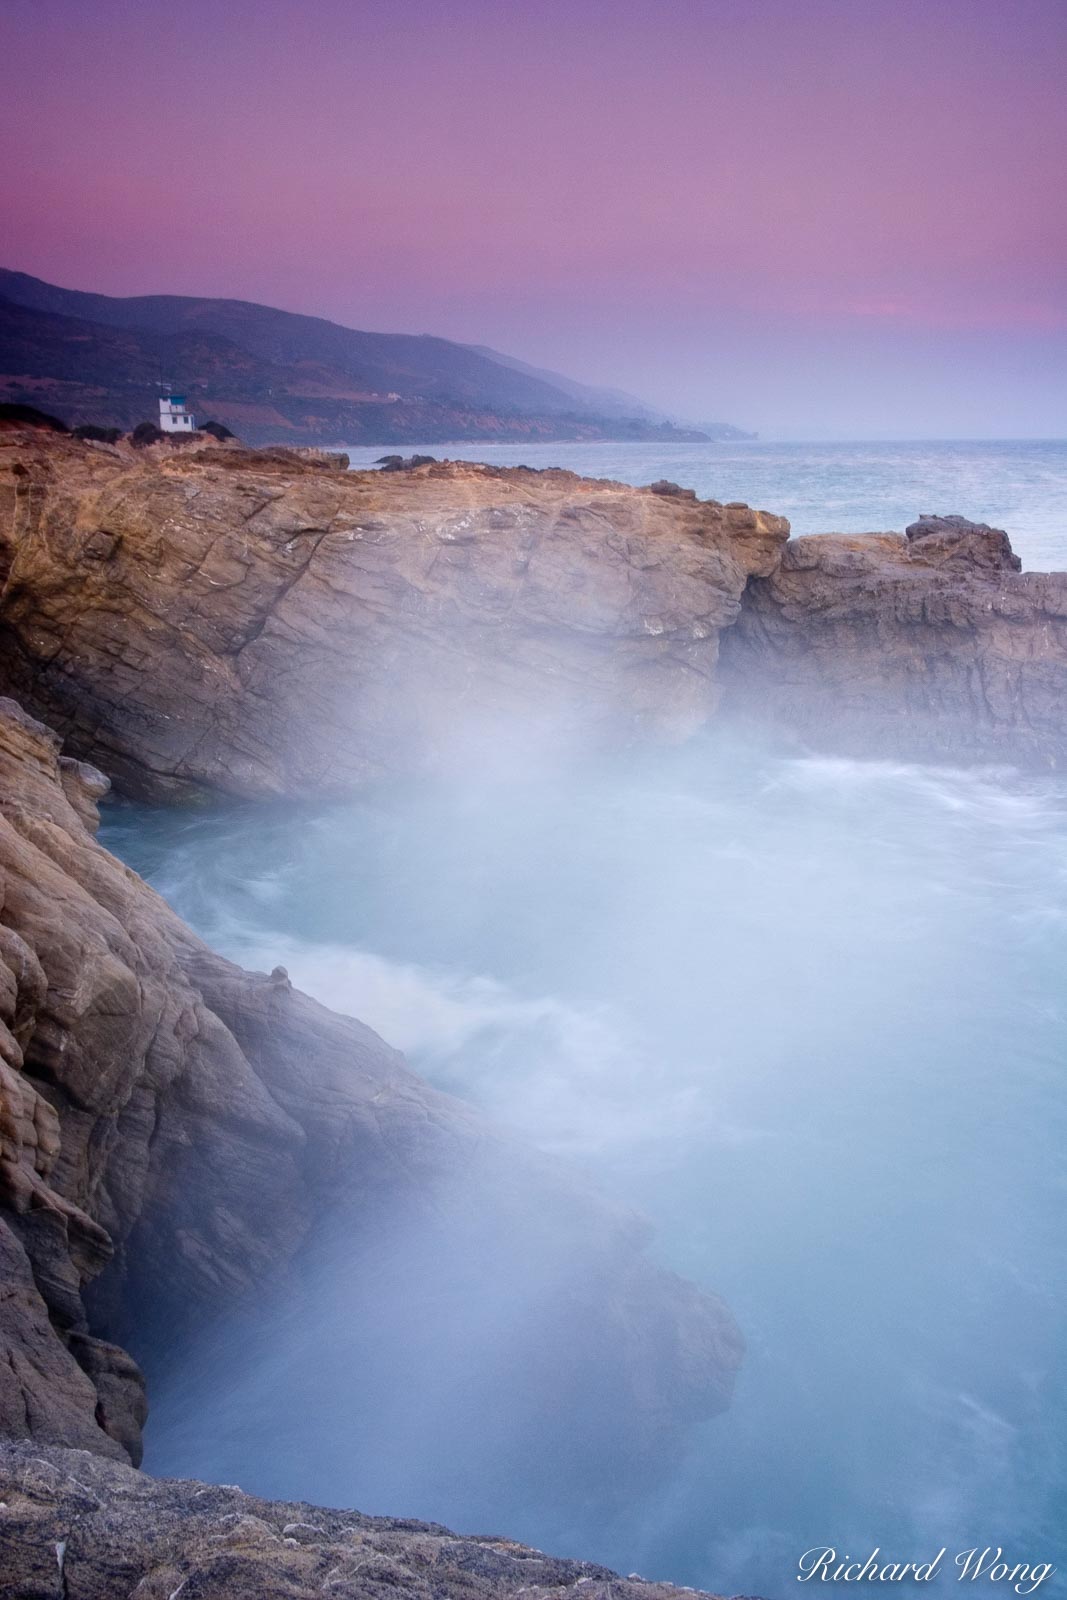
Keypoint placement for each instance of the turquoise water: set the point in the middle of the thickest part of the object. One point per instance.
(1020, 485)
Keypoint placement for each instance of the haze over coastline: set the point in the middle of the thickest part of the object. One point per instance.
(818, 220)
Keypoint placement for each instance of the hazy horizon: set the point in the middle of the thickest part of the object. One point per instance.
(825, 222)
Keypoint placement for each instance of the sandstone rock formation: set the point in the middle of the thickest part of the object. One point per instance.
(75, 1526)
(173, 1129)
(256, 623)
(931, 645)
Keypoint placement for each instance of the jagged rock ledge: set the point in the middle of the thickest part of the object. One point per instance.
(931, 645)
(76, 1526)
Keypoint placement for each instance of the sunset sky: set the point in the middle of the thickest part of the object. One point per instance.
(811, 217)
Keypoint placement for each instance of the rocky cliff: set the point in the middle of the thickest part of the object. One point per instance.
(179, 1138)
(256, 623)
(173, 1130)
(929, 645)
(250, 622)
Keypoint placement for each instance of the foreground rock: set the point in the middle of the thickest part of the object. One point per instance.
(84, 1529)
(931, 645)
(173, 1130)
(257, 623)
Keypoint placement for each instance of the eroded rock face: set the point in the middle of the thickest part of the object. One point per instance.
(86, 1529)
(956, 542)
(931, 645)
(255, 623)
(173, 1129)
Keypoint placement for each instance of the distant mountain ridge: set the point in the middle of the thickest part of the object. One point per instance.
(275, 376)
(610, 402)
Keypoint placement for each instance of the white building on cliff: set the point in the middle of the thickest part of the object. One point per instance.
(173, 414)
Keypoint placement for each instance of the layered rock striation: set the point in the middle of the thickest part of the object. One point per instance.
(254, 623)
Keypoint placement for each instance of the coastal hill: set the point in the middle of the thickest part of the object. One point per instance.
(277, 377)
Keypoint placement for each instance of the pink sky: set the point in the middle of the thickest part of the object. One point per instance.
(840, 216)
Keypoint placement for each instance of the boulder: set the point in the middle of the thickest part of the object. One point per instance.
(956, 542)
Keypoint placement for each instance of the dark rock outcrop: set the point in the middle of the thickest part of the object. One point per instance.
(81, 1528)
(930, 646)
(404, 463)
(250, 622)
(173, 1130)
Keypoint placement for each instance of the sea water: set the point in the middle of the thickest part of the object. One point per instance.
(808, 1014)
(1019, 484)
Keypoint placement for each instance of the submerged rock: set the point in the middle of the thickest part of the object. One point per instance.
(87, 1529)
(397, 463)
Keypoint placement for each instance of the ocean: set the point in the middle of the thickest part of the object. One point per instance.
(808, 1014)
